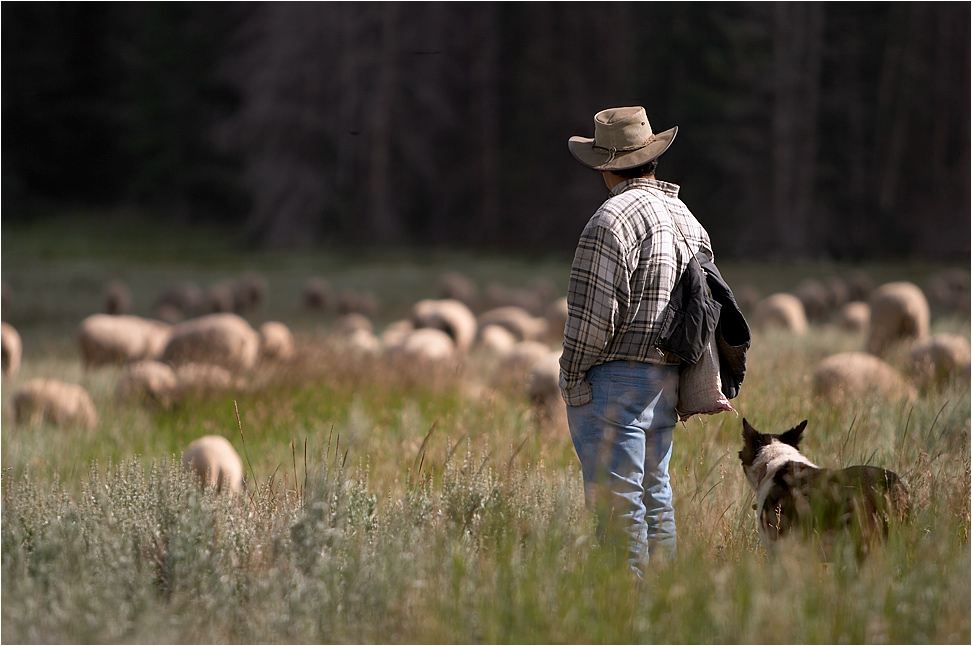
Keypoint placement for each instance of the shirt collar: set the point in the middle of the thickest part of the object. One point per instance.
(645, 183)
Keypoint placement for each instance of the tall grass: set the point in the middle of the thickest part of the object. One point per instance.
(387, 506)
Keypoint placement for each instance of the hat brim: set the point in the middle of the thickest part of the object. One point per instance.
(583, 150)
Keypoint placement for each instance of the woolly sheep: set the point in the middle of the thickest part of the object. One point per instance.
(899, 312)
(523, 325)
(276, 342)
(949, 290)
(249, 293)
(361, 302)
(940, 356)
(202, 379)
(225, 340)
(117, 298)
(780, 311)
(847, 376)
(114, 339)
(556, 315)
(495, 340)
(316, 294)
(816, 299)
(854, 316)
(352, 321)
(515, 367)
(456, 286)
(215, 463)
(427, 346)
(11, 348)
(395, 333)
(358, 342)
(178, 302)
(543, 382)
(449, 315)
(58, 402)
(218, 298)
(148, 382)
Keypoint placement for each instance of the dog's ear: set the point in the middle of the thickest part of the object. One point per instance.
(752, 442)
(793, 436)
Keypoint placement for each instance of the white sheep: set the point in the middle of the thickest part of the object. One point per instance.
(148, 382)
(224, 339)
(57, 402)
(523, 325)
(854, 316)
(11, 349)
(449, 315)
(848, 376)
(556, 315)
(215, 463)
(276, 342)
(495, 340)
(939, 357)
(115, 339)
(514, 368)
(899, 312)
(543, 381)
(424, 347)
(780, 311)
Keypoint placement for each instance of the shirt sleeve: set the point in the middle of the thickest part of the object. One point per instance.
(596, 274)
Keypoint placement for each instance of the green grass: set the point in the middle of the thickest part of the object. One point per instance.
(385, 506)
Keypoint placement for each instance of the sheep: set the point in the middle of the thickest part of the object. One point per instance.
(178, 302)
(935, 359)
(747, 296)
(361, 302)
(780, 311)
(316, 294)
(218, 298)
(859, 286)
(456, 286)
(514, 369)
(358, 343)
(556, 315)
(449, 315)
(949, 290)
(854, 316)
(351, 322)
(899, 312)
(215, 463)
(202, 379)
(116, 298)
(249, 293)
(543, 381)
(816, 299)
(515, 319)
(148, 382)
(57, 402)
(395, 333)
(424, 346)
(847, 376)
(495, 340)
(117, 339)
(11, 348)
(224, 339)
(276, 342)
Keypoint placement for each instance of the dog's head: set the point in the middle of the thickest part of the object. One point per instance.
(761, 448)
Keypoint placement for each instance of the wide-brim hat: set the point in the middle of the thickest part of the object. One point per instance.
(622, 139)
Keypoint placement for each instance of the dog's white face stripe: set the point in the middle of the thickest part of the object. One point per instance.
(770, 459)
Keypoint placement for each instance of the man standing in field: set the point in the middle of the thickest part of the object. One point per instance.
(620, 389)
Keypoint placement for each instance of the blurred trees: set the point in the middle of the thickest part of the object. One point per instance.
(806, 129)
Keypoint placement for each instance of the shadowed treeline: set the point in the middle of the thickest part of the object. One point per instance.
(806, 129)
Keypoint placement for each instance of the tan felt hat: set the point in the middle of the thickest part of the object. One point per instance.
(622, 139)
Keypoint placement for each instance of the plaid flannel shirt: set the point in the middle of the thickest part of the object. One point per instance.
(629, 258)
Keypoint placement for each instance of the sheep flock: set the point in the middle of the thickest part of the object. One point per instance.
(196, 343)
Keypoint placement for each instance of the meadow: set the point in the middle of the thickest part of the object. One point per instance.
(398, 506)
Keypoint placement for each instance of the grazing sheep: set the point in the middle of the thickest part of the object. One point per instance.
(495, 340)
(838, 292)
(225, 340)
(859, 286)
(249, 293)
(854, 316)
(848, 376)
(117, 298)
(449, 315)
(949, 290)
(218, 298)
(178, 302)
(150, 382)
(543, 380)
(276, 342)
(111, 339)
(215, 462)
(316, 295)
(396, 332)
(939, 357)
(57, 402)
(350, 322)
(556, 315)
(425, 346)
(11, 348)
(514, 369)
(899, 312)
(780, 311)
(517, 320)
(816, 300)
(358, 342)
(202, 379)
(360, 302)
(458, 287)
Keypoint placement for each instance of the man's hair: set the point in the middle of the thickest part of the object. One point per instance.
(644, 170)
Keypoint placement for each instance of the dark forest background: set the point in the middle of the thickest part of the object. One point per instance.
(806, 130)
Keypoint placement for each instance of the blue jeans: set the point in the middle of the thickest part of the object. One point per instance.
(623, 438)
